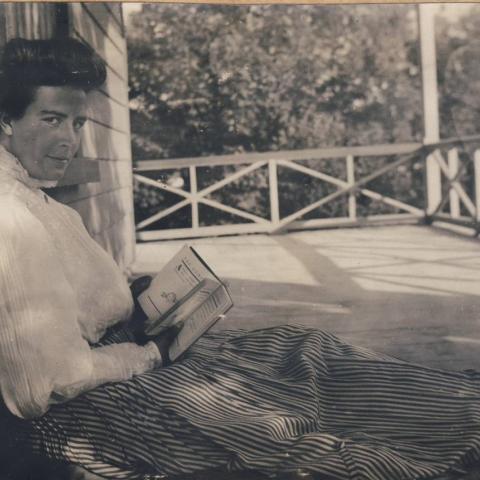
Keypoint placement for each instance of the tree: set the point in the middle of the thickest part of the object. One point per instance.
(212, 79)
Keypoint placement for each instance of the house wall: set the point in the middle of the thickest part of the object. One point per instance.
(106, 206)
(27, 20)
(99, 183)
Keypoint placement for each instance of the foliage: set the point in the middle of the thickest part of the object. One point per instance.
(450, 38)
(217, 79)
(213, 79)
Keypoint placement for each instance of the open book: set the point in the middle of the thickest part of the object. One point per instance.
(185, 290)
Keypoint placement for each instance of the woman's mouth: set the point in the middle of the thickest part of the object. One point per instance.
(61, 160)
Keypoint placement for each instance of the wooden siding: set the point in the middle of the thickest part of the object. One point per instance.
(27, 20)
(106, 206)
(98, 184)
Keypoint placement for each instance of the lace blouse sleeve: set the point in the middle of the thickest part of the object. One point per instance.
(43, 357)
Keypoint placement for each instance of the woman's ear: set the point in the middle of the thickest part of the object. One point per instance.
(5, 125)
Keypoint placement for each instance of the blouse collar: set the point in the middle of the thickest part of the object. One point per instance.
(11, 167)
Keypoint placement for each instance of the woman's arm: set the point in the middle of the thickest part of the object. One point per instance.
(137, 320)
(43, 357)
(111, 363)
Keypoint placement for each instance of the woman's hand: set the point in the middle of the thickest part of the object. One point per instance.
(137, 320)
(165, 339)
(139, 285)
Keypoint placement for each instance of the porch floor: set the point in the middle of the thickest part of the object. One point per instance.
(410, 291)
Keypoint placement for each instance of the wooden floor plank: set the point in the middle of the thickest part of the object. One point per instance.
(409, 291)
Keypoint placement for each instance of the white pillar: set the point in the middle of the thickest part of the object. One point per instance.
(426, 19)
(352, 201)
(453, 164)
(194, 191)
(476, 163)
(273, 187)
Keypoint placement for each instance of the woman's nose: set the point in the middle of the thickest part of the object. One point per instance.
(69, 136)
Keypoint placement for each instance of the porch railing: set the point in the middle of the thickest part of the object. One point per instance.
(453, 188)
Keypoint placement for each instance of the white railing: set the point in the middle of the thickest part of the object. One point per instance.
(462, 209)
(451, 202)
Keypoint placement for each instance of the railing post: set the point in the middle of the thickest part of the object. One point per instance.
(453, 170)
(273, 187)
(426, 20)
(194, 190)
(352, 202)
(433, 184)
(476, 164)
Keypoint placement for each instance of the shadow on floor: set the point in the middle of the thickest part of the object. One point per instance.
(409, 291)
(427, 320)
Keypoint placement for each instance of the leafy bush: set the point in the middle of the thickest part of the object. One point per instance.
(216, 79)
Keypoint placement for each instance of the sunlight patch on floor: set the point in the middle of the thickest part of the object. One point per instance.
(400, 260)
(333, 308)
(257, 258)
(475, 341)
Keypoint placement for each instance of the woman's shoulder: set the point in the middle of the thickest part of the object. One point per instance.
(16, 217)
(10, 199)
(7, 190)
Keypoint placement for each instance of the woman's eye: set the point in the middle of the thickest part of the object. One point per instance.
(78, 124)
(53, 121)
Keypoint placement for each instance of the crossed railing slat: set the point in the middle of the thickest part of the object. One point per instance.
(199, 196)
(345, 188)
(452, 171)
(453, 183)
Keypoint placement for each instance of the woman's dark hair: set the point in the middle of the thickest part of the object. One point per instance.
(28, 64)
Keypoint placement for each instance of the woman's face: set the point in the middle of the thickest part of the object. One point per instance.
(46, 138)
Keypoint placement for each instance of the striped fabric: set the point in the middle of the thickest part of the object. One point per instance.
(285, 399)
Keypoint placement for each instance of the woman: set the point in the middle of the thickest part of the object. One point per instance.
(286, 399)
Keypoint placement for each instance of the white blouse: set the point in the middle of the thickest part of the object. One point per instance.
(59, 292)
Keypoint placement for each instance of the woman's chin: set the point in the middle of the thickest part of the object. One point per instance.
(58, 176)
(55, 174)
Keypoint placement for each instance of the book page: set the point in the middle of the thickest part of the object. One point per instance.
(173, 283)
(199, 321)
(185, 307)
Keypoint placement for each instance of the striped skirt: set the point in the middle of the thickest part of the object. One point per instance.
(284, 399)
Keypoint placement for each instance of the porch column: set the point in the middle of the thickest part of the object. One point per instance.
(426, 18)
